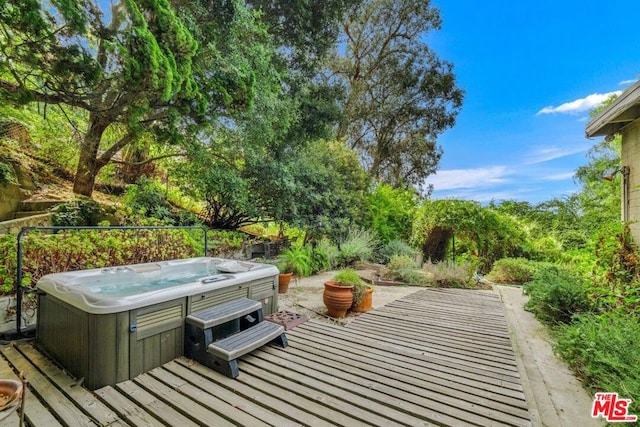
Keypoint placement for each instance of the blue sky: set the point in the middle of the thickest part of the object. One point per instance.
(531, 71)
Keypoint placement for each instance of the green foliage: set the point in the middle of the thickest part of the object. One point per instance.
(402, 268)
(297, 260)
(483, 232)
(79, 212)
(328, 190)
(556, 295)
(359, 245)
(83, 249)
(395, 248)
(225, 243)
(392, 211)
(326, 255)
(604, 350)
(616, 273)
(7, 174)
(401, 96)
(512, 270)
(447, 274)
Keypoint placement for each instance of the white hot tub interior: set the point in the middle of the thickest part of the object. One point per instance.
(128, 286)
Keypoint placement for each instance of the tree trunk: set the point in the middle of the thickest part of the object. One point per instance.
(88, 165)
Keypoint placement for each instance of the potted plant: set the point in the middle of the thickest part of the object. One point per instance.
(346, 291)
(294, 260)
(284, 278)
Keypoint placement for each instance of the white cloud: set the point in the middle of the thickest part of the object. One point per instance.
(579, 105)
(558, 177)
(546, 154)
(469, 178)
(627, 82)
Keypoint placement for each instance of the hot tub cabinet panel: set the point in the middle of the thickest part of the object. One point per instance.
(105, 347)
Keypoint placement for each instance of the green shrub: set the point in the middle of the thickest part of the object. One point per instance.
(392, 211)
(556, 295)
(148, 198)
(402, 268)
(604, 351)
(512, 270)
(79, 212)
(297, 260)
(395, 248)
(446, 274)
(325, 255)
(7, 174)
(359, 245)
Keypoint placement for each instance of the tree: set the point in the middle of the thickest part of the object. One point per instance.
(140, 67)
(400, 95)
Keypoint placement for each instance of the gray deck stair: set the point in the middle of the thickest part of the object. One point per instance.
(218, 335)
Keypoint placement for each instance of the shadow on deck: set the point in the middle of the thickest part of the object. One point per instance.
(434, 357)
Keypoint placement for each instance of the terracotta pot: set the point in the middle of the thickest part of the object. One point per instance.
(283, 282)
(338, 299)
(366, 304)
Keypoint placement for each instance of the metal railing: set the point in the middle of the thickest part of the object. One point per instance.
(18, 284)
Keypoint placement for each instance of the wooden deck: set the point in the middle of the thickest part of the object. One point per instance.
(436, 357)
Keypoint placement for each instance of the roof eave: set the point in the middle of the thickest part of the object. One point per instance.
(622, 111)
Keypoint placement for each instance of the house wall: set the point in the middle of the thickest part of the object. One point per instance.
(631, 158)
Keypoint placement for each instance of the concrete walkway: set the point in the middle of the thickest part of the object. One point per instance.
(554, 396)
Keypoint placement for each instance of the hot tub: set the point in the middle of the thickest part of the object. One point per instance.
(111, 324)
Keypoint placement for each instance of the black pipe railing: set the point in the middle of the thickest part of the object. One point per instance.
(18, 284)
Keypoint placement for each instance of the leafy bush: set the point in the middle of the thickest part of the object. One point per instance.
(512, 270)
(604, 350)
(616, 274)
(225, 242)
(395, 248)
(359, 245)
(148, 198)
(297, 260)
(79, 212)
(402, 268)
(485, 232)
(325, 255)
(556, 295)
(446, 274)
(392, 211)
(7, 174)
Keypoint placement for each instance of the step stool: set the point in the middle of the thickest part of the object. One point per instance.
(217, 336)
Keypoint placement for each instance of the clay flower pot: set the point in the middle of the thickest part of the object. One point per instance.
(338, 299)
(283, 282)
(366, 304)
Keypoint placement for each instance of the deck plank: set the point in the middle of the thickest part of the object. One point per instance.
(205, 399)
(82, 398)
(436, 357)
(65, 410)
(280, 404)
(237, 401)
(126, 408)
(183, 404)
(157, 407)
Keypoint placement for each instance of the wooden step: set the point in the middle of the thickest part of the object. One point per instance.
(246, 341)
(223, 313)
